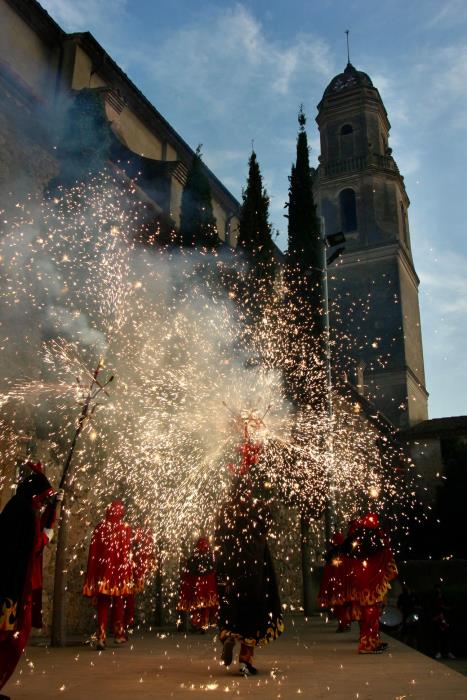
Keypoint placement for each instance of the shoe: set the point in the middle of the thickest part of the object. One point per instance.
(451, 655)
(246, 669)
(120, 640)
(378, 650)
(438, 655)
(100, 646)
(227, 651)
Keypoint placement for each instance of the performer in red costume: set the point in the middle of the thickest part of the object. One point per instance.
(198, 587)
(143, 562)
(25, 528)
(371, 570)
(109, 576)
(334, 590)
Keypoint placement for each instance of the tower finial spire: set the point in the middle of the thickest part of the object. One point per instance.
(348, 49)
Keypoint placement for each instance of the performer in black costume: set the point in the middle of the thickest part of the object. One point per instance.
(25, 528)
(250, 608)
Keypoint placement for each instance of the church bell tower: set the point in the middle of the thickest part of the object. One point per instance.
(374, 287)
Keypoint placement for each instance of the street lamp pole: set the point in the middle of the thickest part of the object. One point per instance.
(333, 240)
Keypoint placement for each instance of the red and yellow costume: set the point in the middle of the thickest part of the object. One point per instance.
(109, 576)
(334, 589)
(143, 562)
(24, 532)
(198, 587)
(371, 570)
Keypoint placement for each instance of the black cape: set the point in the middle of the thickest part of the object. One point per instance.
(17, 536)
(250, 606)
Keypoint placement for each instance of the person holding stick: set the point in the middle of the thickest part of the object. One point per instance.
(26, 526)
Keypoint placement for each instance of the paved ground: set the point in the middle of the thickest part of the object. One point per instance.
(310, 659)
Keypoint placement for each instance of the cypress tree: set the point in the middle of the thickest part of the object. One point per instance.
(255, 233)
(305, 246)
(197, 222)
(305, 313)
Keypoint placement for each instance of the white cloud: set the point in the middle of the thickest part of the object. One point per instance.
(227, 56)
(81, 15)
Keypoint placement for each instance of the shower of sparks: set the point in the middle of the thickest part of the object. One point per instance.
(79, 283)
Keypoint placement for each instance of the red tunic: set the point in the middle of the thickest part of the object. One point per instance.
(144, 557)
(198, 585)
(370, 577)
(109, 569)
(334, 588)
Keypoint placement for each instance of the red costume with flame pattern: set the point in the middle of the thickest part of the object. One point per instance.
(109, 576)
(198, 586)
(372, 569)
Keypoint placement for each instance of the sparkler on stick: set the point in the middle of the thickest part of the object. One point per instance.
(89, 406)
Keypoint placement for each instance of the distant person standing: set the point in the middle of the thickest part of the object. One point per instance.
(409, 606)
(143, 561)
(441, 625)
(109, 575)
(198, 587)
(372, 568)
(26, 526)
(250, 609)
(333, 593)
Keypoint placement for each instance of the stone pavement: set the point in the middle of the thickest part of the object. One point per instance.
(310, 659)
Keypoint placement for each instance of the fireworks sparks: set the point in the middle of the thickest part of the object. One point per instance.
(77, 285)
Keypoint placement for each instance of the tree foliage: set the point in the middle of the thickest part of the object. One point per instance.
(255, 233)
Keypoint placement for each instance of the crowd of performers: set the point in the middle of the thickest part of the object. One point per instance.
(235, 588)
(356, 580)
(232, 585)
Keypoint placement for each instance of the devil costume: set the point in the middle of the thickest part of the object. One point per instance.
(23, 533)
(198, 586)
(109, 575)
(371, 570)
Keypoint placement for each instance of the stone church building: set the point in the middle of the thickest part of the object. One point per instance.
(62, 97)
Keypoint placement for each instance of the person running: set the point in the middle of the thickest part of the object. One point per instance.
(198, 587)
(250, 609)
(333, 592)
(26, 526)
(371, 570)
(109, 575)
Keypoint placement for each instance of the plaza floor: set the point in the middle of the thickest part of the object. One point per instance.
(310, 660)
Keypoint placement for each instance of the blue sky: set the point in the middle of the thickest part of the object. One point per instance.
(224, 73)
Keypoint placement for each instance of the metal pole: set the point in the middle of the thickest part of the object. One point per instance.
(329, 510)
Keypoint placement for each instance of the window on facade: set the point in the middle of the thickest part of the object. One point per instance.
(405, 225)
(347, 141)
(348, 208)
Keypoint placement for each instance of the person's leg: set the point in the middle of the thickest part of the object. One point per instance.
(246, 653)
(245, 660)
(12, 646)
(103, 605)
(341, 613)
(118, 618)
(228, 643)
(370, 641)
(129, 612)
